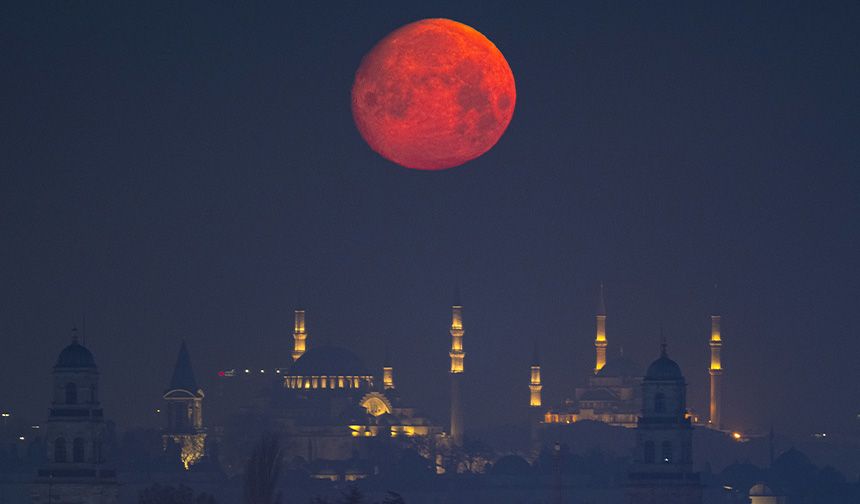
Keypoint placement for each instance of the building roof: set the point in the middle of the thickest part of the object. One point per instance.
(619, 367)
(183, 373)
(75, 356)
(328, 361)
(760, 490)
(664, 368)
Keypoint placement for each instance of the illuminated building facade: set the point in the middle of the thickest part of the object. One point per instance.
(76, 470)
(184, 408)
(663, 459)
(300, 336)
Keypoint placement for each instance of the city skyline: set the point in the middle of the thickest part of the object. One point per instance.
(186, 172)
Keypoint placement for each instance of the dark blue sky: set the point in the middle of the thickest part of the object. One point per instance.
(175, 171)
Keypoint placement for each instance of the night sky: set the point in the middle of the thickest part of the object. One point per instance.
(183, 170)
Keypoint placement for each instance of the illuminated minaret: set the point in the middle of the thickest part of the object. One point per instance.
(535, 384)
(716, 371)
(299, 334)
(457, 355)
(387, 371)
(600, 337)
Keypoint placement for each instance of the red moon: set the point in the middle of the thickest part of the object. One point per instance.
(433, 94)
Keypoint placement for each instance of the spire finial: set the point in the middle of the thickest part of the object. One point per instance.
(74, 334)
(386, 362)
(663, 343)
(601, 302)
(457, 301)
(535, 354)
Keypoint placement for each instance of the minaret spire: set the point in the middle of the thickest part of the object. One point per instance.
(535, 381)
(387, 370)
(299, 334)
(716, 371)
(457, 357)
(600, 338)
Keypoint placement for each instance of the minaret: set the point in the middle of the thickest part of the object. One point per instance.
(457, 355)
(387, 372)
(535, 384)
(716, 372)
(299, 334)
(600, 337)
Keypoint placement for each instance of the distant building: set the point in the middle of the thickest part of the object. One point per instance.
(662, 470)
(331, 410)
(612, 394)
(762, 494)
(76, 470)
(184, 408)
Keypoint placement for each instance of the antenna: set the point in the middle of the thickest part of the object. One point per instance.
(84, 330)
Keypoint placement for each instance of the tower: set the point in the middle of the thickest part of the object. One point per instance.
(74, 433)
(663, 461)
(457, 356)
(535, 410)
(535, 383)
(600, 338)
(299, 335)
(387, 371)
(184, 412)
(716, 372)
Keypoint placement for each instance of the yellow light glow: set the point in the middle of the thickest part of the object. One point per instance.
(737, 435)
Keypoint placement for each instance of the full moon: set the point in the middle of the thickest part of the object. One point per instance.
(433, 94)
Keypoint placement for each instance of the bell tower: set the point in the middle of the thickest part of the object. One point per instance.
(76, 470)
(663, 461)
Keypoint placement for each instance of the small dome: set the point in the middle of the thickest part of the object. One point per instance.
(664, 368)
(75, 356)
(760, 490)
(511, 465)
(620, 367)
(328, 361)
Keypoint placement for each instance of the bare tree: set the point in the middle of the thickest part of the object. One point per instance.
(262, 472)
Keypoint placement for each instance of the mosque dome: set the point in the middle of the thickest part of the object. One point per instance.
(664, 369)
(75, 356)
(620, 367)
(328, 361)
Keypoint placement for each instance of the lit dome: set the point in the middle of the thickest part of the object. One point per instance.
(760, 490)
(75, 356)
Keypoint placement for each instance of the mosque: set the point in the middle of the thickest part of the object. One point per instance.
(332, 411)
(612, 394)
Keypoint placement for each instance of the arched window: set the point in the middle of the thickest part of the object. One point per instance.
(60, 450)
(649, 452)
(659, 402)
(667, 452)
(78, 450)
(71, 393)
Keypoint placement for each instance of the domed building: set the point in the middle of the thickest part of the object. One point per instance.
(610, 395)
(74, 431)
(760, 493)
(663, 459)
(329, 408)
